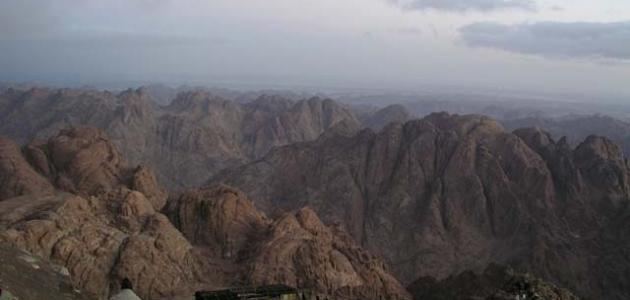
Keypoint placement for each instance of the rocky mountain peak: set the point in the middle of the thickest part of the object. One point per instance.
(103, 230)
(186, 142)
(219, 217)
(17, 176)
(448, 193)
(599, 148)
(394, 113)
(84, 160)
(79, 160)
(270, 103)
(465, 124)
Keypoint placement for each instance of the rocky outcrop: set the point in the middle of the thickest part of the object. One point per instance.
(96, 216)
(186, 142)
(220, 218)
(102, 240)
(296, 249)
(145, 182)
(301, 251)
(17, 176)
(446, 194)
(495, 283)
(79, 160)
(29, 277)
(101, 220)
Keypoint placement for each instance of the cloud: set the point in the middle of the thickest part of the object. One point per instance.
(26, 18)
(466, 5)
(409, 31)
(553, 39)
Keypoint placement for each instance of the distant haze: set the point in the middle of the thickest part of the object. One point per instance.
(563, 46)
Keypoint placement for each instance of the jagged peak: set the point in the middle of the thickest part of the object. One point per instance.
(465, 124)
(310, 221)
(198, 100)
(598, 147)
(345, 128)
(534, 137)
(270, 102)
(138, 95)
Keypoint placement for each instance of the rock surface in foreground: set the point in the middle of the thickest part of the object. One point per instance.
(29, 277)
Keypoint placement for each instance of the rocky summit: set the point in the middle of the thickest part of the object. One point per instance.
(103, 220)
(449, 193)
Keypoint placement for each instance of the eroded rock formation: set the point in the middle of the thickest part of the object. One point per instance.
(101, 219)
(185, 142)
(446, 194)
(296, 249)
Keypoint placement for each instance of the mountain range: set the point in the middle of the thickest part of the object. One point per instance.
(187, 141)
(75, 201)
(449, 193)
(351, 202)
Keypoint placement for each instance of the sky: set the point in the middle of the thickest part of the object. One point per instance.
(556, 46)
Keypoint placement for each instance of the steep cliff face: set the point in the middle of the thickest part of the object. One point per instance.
(100, 218)
(187, 141)
(445, 194)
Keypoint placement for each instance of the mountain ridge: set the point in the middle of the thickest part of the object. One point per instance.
(105, 220)
(187, 141)
(449, 193)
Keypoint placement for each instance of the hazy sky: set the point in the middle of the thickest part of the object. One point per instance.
(540, 45)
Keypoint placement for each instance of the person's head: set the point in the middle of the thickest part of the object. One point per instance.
(126, 284)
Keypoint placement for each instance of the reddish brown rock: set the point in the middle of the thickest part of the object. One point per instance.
(106, 231)
(17, 177)
(110, 229)
(86, 161)
(78, 160)
(295, 249)
(301, 251)
(221, 218)
(101, 242)
(144, 181)
(446, 194)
